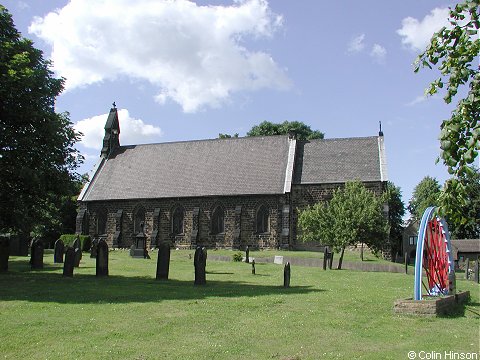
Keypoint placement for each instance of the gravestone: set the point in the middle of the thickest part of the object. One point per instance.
(247, 255)
(139, 249)
(93, 248)
(4, 253)
(163, 261)
(18, 245)
(286, 275)
(476, 274)
(407, 261)
(467, 268)
(36, 252)
(78, 257)
(102, 258)
(77, 246)
(200, 262)
(253, 267)
(58, 252)
(69, 263)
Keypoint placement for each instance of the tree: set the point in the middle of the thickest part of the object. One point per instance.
(425, 194)
(37, 154)
(396, 211)
(456, 49)
(227, 136)
(303, 131)
(469, 226)
(353, 215)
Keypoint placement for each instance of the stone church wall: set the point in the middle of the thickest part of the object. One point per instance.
(239, 225)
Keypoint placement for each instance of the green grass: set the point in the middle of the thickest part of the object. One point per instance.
(237, 315)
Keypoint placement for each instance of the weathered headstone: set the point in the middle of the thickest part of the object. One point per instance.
(467, 268)
(253, 267)
(286, 275)
(93, 248)
(4, 253)
(77, 246)
(69, 263)
(247, 254)
(476, 274)
(36, 259)
(163, 261)
(102, 258)
(78, 257)
(200, 262)
(59, 249)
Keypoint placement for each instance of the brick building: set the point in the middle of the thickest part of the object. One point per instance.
(225, 193)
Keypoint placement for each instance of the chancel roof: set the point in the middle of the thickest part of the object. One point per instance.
(340, 160)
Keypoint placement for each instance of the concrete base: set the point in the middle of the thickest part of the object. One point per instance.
(431, 307)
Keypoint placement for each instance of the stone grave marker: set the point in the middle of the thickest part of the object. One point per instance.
(200, 262)
(69, 263)
(253, 267)
(476, 274)
(93, 248)
(286, 275)
(163, 261)
(102, 258)
(467, 267)
(278, 260)
(4, 253)
(36, 259)
(77, 246)
(58, 252)
(78, 257)
(325, 257)
(247, 254)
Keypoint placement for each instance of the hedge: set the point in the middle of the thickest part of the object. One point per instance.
(85, 240)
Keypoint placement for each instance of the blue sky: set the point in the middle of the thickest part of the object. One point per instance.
(189, 70)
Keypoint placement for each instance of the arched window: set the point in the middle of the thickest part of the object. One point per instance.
(218, 221)
(263, 220)
(139, 220)
(102, 222)
(177, 220)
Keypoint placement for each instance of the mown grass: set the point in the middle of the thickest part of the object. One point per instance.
(237, 315)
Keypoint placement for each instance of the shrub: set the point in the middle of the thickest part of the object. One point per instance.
(85, 241)
(237, 256)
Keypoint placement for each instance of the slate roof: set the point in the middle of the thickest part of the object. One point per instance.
(237, 166)
(465, 246)
(339, 160)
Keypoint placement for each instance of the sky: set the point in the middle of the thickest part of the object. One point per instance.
(185, 70)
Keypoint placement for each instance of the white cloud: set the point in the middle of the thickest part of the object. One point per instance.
(378, 53)
(132, 131)
(195, 55)
(416, 34)
(356, 44)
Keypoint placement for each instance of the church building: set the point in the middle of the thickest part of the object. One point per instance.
(219, 193)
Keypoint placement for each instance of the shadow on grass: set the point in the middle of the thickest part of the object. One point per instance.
(84, 289)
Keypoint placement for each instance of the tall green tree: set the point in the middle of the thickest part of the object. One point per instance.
(396, 211)
(303, 131)
(37, 153)
(469, 226)
(425, 194)
(455, 51)
(353, 215)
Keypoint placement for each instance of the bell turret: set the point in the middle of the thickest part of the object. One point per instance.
(111, 140)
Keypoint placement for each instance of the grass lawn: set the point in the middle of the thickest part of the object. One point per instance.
(129, 315)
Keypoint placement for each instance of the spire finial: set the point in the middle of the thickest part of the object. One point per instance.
(380, 133)
(114, 105)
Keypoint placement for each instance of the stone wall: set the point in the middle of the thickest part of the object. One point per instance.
(431, 307)
(240, 221)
